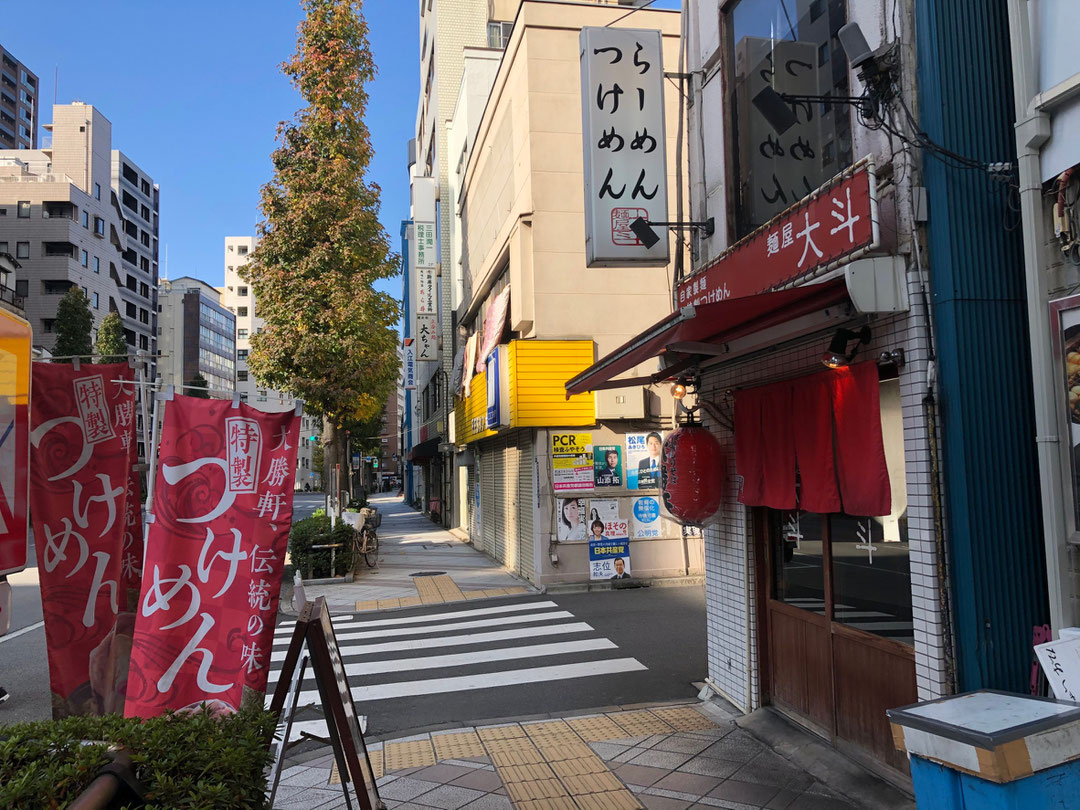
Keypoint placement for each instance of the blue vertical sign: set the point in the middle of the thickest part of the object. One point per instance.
(493, 371)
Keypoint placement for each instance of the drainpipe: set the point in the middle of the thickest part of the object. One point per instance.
(1032, 131)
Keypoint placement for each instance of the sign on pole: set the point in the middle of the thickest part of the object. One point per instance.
(625, 151)
(408, 348)
(427, 331)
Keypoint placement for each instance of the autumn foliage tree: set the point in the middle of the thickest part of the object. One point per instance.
(330, 336)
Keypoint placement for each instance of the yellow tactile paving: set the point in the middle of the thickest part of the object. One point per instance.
(427, 590)
(684, 718)
(448, 589)
(640, 723)
(557, 752)
(547, 728)
(512, 744)
(335, 777)
(369, 604)
(516, 589)
(558, 803)
(457, 745)
(613, 800)
(591, 783)
(520, 756)
(526, 773)
(473, 594)
(411, 754)
(495, 592)
(409, 601)
(389, 603)
(501, 732)
(596, 729)
(376, 759)
(532, 791)
(579, 766)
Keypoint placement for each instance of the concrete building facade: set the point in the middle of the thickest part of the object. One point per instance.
(139, 198)
(18, 104)
(197, 336)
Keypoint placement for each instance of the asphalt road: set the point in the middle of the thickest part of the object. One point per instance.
(304, 503)
(537, 655)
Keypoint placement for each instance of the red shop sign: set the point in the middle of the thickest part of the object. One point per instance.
(835, 222)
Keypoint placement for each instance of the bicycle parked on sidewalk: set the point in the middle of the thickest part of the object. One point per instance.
(366, 538)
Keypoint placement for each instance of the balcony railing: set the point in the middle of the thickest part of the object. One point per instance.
(7, 294)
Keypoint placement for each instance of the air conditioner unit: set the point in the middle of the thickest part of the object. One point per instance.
(620, 403)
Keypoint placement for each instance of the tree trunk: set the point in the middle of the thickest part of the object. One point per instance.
(335, 467)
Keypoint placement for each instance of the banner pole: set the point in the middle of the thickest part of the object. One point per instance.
(160, 399)
(143, 392)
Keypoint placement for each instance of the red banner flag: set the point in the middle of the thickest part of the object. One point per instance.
(214, 556)
(83, 447)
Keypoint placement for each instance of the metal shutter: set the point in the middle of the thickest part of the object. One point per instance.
(487, 496)
(502, 513)
(526, 506)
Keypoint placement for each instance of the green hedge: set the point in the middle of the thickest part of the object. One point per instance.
(315, 531)
(183, 761)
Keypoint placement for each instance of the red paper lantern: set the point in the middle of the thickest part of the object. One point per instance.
(692, 474)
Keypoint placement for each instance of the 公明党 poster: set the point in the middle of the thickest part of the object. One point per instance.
(646, 517)
(643, 460)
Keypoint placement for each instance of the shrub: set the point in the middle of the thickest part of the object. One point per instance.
(188, 760)
(316, 531)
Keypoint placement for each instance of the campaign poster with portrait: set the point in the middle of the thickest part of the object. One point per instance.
(607, 465)
(570, 521)
(643, 459)
(571, 461)
(645, 519)
(609, 540)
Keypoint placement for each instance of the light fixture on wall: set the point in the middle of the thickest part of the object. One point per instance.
(893, 358)
(837, 355)
(678, 389)
(643, 229)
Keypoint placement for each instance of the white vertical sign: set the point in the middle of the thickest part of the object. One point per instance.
(622, 110)
(408, 362)
(427, 330)
(425, 258)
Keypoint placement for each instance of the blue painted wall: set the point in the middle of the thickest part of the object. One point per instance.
(976, 269)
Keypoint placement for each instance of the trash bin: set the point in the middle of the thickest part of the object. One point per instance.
(991, 750)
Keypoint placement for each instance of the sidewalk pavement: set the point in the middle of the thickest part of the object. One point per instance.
(666, 757)
(410, 544)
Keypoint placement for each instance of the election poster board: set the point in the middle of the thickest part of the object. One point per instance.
(82, 448)
(570, 522)
(607, 465)
(215, 548)
(643, 459)
(645, 518)
(572, 461)
(609, 540)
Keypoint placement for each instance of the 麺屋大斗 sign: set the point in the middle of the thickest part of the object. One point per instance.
(214, 555)
(85, 504)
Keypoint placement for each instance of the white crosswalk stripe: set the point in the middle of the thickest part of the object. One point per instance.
(504, 646)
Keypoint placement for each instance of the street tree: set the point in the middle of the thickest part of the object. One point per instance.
(73, 324)
(111, 344)
(330, 337)
(197, 387)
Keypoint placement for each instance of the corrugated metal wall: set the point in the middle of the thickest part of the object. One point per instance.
(487, 498)
(976, 270)
(526, 503)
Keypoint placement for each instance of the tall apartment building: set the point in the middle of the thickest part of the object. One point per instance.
(238, 297)
(138, 196)
(18, 104)
(60, 220)
(197, 335)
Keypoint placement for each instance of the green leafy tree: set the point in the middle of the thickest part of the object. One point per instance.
(111, 344)
(73, 324)
(330, 337)
(197, 387)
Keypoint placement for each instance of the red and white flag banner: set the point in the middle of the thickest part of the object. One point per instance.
(215, 550)
(84, 502)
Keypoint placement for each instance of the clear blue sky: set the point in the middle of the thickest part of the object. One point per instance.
(194, 95)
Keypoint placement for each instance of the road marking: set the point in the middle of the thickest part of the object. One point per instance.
(18, 633)
(450, 614)
(316, 727)
(463, 683)
(451, 641)
(478, 657)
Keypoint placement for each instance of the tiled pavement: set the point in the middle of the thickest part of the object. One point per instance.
(680, 757)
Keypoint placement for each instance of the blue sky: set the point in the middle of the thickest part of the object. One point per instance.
(194, 95)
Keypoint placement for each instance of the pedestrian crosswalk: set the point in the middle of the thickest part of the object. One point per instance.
(475, 647)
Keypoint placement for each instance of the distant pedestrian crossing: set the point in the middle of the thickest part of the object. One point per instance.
(472, 648)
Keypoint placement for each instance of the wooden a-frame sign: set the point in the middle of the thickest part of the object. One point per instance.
(315, 633)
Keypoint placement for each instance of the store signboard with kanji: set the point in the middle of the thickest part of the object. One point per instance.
(830, 226)
(427, 335)
(408, 363)
(424, 259)
(215, 548)
(15, 338)
(625, 152)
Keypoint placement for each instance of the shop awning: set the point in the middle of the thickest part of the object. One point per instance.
(425, 450)
(695, 330)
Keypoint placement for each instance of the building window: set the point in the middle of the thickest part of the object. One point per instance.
(24, 209)
(241, 354)
(772, 44)
(242, 333)
(144, 316)
(99, 226)
(242, 311)
(241, 376)
(22, 250)
(97, 191)
(48, 325)
(242, 250)
(144, 187)
(3, 247)
(22, 287)
(97, 265)
(84, 258)
(144, 289)
(144, 342)
(144, 212)
(499, 34)
(86, 219)
(130, 309)
(95, 299)
(242, 291)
